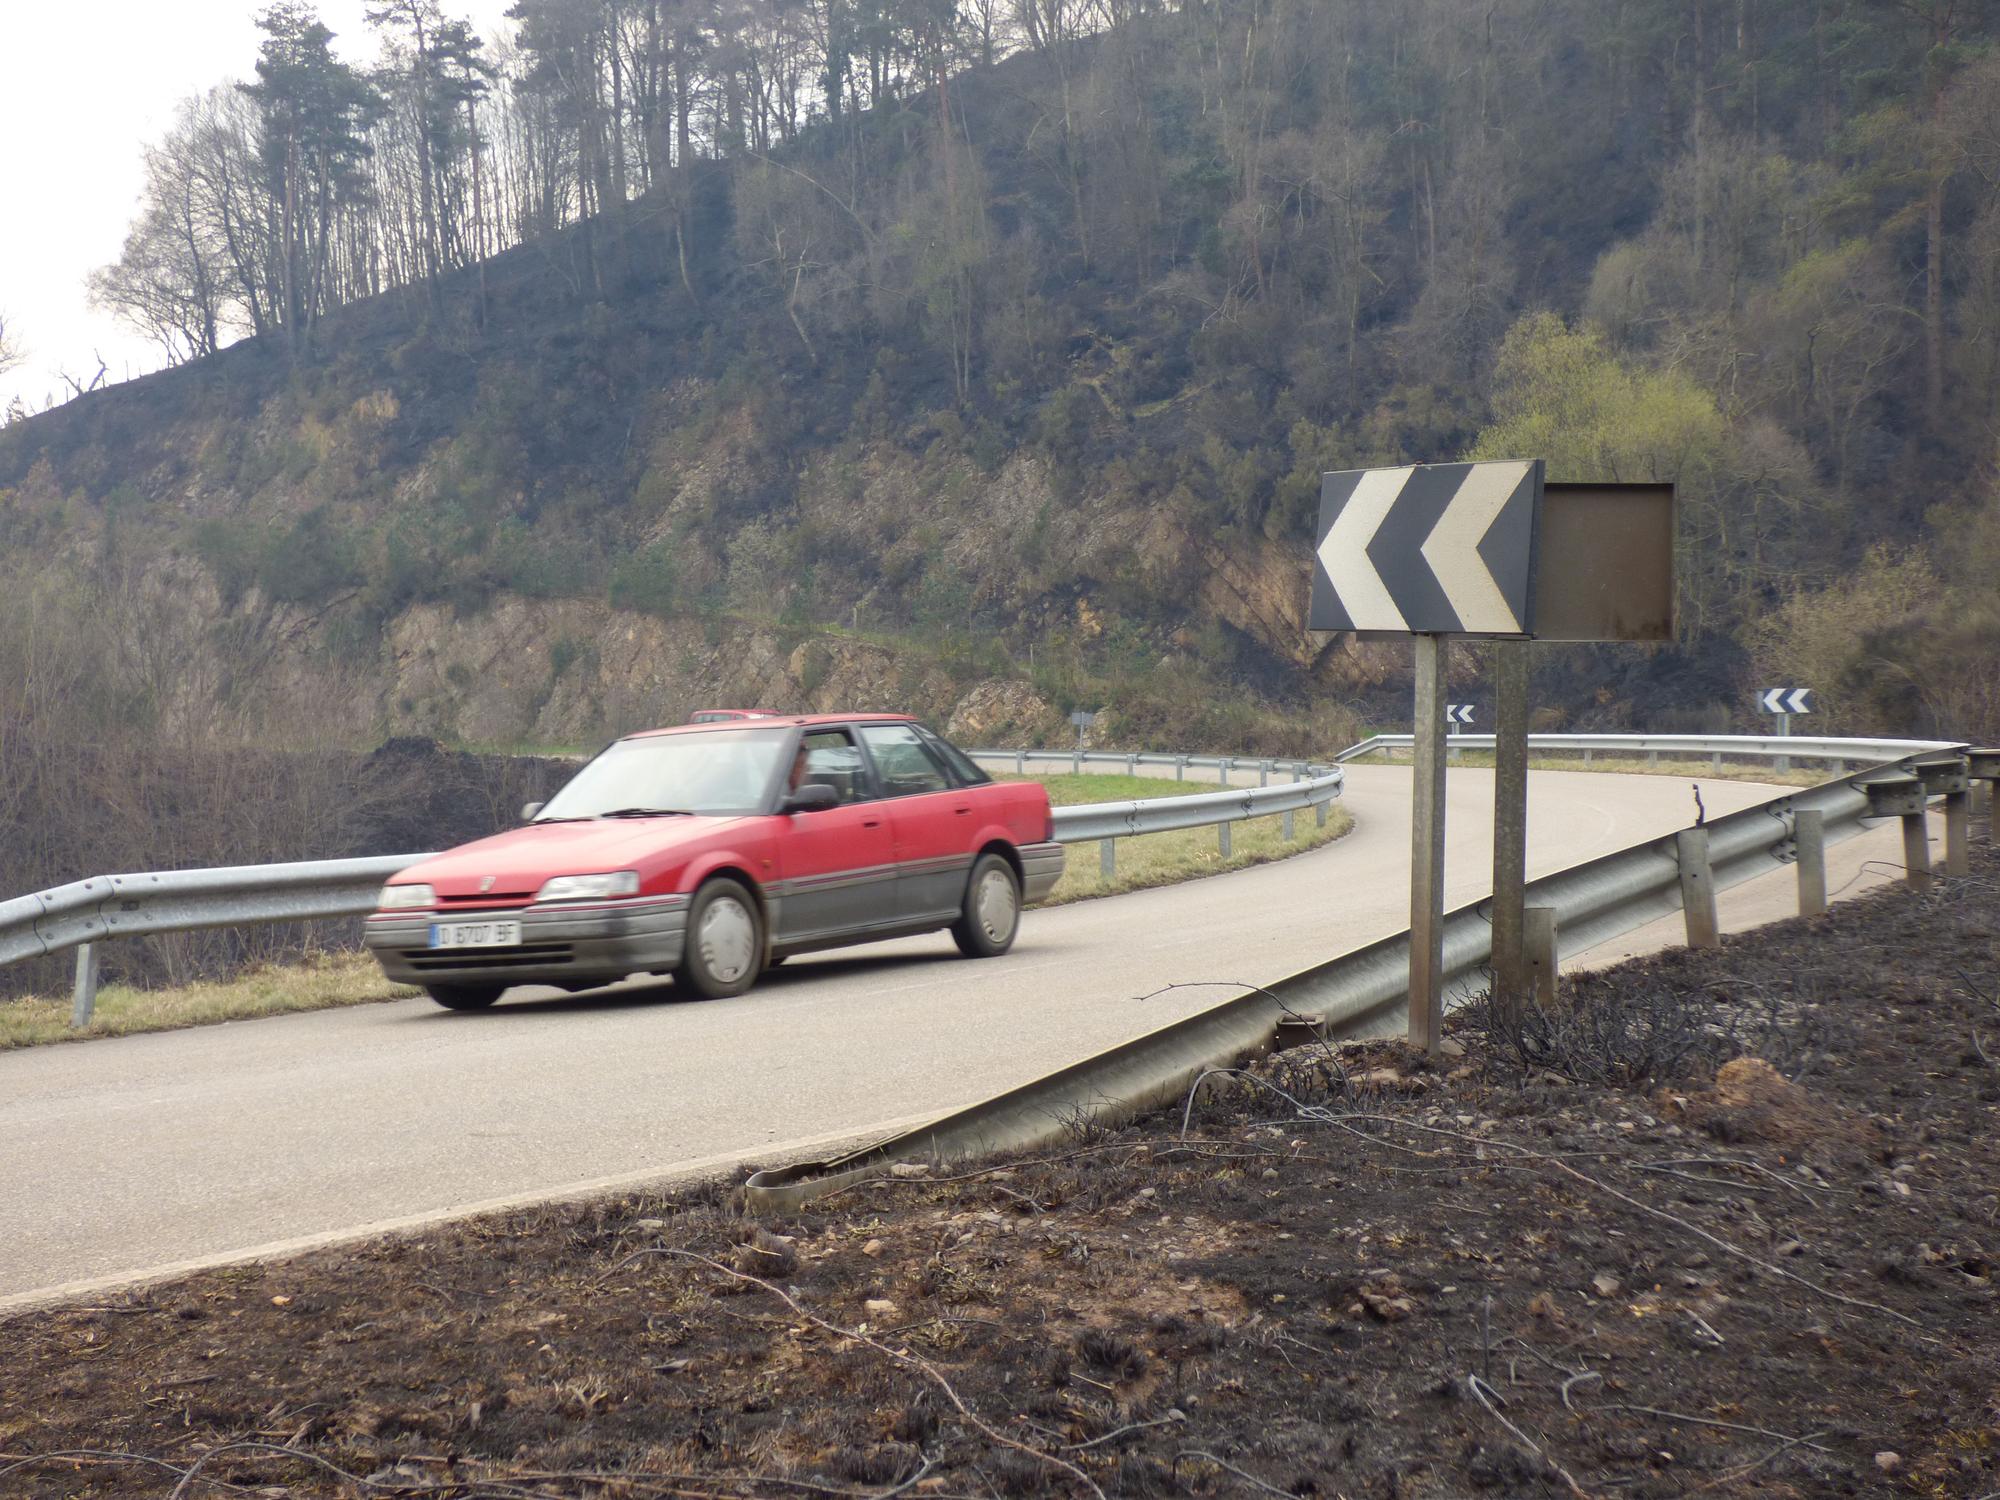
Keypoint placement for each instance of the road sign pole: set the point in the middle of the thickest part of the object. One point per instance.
(1784, 762)
(1427, 850)
(1510, 828)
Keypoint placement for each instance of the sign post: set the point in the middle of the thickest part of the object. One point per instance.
(1510, 829)
(1427, 849)
(1430, 551)
(1783, 703)
(1484, 551)
(1082, 721)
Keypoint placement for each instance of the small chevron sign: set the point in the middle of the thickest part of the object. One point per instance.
(1432, 549)
(1458, 713)
(1785, 700)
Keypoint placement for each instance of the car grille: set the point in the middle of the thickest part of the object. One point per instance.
(524, 956)
(488, 898)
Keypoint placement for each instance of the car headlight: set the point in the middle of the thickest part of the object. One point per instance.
(590, 887)
(404, 897)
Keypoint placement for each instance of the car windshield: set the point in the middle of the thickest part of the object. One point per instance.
(726, 772)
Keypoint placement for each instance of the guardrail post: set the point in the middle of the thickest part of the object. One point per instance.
(1180, 768)
(1917, 850)
(1809, 837)
(1076, 764)
(1586, 757)
(1020, 763)
(1957, 829)
(1715, 764)
(1320, 809)
(1653, 759)
(1107, 858)
(1228, 764)
(1538, 953)
(1222, 838)
(1697, 889)
(88, 971)
(1263, 773)
(1131, 765)
(1288, 825)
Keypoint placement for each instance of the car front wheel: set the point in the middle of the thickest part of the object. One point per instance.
(725, 941)
(992, 914)
(464, 996)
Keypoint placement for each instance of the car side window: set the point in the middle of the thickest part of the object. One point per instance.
(960, 764)
(831, 758)
(906, 766)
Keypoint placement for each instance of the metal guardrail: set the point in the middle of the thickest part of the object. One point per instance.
(1777, 747)
(1363, 991)
(1224, 765)
(87, 912)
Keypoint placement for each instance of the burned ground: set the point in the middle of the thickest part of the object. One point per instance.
(1727, 1225)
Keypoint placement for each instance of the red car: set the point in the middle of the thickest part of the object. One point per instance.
(712, 851)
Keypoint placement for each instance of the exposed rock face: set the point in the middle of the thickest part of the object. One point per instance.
(997, 713)
(554, 672)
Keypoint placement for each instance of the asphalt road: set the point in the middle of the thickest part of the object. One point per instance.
(138, 1156)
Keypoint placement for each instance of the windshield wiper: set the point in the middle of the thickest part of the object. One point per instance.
(647, 812)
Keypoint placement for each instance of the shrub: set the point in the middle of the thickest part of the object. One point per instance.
(646, 580)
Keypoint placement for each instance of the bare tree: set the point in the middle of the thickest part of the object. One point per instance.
(11, 353)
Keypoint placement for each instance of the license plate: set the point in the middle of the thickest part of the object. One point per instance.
(475, 934)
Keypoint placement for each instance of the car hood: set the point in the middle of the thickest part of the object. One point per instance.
(518, 861)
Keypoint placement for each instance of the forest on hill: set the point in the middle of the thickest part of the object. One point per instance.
(983, 356)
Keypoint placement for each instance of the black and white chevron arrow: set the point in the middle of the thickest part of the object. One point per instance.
(1444, 549)
(1458, 713)
(1785, 700)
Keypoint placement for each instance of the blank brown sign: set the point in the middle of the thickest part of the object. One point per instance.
(1604, 564)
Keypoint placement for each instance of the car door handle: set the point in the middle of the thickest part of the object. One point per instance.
(961, 811)
(871, 822)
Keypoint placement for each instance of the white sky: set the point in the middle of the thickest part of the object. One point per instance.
(85, 85)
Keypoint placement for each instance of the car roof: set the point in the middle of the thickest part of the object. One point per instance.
(774, 722)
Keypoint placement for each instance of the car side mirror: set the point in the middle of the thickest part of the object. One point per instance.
(529, 809)
(814, 796)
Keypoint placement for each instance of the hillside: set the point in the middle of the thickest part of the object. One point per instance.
(1001, 387)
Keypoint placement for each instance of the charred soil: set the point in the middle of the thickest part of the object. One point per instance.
(1727, 1225)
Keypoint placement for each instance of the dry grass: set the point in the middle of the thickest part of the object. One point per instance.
(1168, 858)
(316, 984)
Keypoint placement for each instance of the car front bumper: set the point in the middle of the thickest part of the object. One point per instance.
(598, 943)
(1041, 868)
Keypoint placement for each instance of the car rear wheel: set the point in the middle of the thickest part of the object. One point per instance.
(725, 941)
(992, 913)
(464, 996)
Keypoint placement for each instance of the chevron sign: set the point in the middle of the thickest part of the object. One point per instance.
(1458, 713)
(1433, 549)
(1785, 700)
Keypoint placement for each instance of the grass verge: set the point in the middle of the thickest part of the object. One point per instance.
(1155, 859)
(317, 983)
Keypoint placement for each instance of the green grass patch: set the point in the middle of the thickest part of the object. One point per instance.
(1154, 859)
(315, 984)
